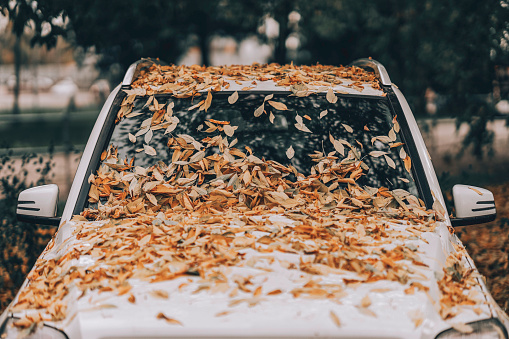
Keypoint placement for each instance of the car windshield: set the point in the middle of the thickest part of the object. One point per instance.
(307, 134)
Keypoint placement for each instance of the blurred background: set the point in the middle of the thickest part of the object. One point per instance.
(59, 60)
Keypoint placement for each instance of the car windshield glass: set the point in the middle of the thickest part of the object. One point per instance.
(304, 133)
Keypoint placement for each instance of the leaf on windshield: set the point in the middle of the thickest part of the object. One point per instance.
(390, 162)
(323, 113)
(376, 154)
(278, 105)
(382, 138)
(331, 97)
(149, 150)
(208, 102)
(233, 98)
(404, 180)
(402, 153)
(335, 319)
(268, 97)
(132, 138)
(290, 152)
(300, 124)
(169, 109)
(408, 163)
(392, 135)
(396, 124)
(259, 110)
(271, 117)
(338, 146)
(149, 101)
(197, 105)
(348, 128)
(229, 130)
(148, 136)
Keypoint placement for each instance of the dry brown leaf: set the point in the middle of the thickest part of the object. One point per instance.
(335, 318)
(348, 128)
(278, 105)
(233, 98)
(331, 97)
(271, 117)
(259, 111)
(376, 154)
(132, 138)
(290, 152)
(323, 113)
(390, 162)
(229, 130)
(169, 320)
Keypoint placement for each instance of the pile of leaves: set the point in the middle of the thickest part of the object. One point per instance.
(215, 207)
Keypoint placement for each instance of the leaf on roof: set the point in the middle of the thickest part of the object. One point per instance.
(233, 98)
(278, 105)
(323, 113)
(290, 152)
(149, 150)
(331, 97)
(462, 328)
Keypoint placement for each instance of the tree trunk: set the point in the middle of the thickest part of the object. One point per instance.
(17, 69)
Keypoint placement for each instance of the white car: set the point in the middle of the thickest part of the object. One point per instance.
(258, 201)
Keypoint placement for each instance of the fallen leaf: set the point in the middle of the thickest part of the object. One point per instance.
(376, 154)
(278, 105)
(390, 162)
(132, 138)
(233, 98)
(148, 136)
(331, 97)
(169, 320)
(462, 327)
(149, 150)
(271, 118)
(259, 111)
(335, 318)
(290, 152)
(323, 113)
(348, 128)
(229, 130)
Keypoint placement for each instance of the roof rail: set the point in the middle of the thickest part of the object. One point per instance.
(135, 68)
(377, 67)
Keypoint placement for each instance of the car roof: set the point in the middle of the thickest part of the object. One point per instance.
(182, 81)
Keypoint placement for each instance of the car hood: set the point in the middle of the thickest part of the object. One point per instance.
(267, 297)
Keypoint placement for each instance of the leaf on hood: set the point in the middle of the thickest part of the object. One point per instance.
(233, 98)
(152, 199)
(149, 150)
(169, 320)
(331, 97)
(278, 105)
(290, 152)
(335, 318)
(323, 113)
(160, 294)
(132, 138)
(229, 130)
(148, 136)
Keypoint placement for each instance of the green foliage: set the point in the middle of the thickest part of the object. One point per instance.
(20, 243)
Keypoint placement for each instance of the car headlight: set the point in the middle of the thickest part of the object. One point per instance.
(485, 329)
(9, 331)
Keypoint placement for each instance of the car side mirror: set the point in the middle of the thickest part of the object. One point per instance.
(38, 205)
(473, 205)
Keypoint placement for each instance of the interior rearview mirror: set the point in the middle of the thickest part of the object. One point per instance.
(39, 205)
(473, 205)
